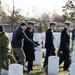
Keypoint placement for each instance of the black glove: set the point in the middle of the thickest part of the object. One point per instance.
(37, 43)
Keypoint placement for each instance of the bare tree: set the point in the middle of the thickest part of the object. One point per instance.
(57, 18)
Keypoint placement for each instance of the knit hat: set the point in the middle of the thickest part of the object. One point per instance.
(1, 28)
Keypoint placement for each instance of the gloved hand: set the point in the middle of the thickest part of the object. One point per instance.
(37, 43)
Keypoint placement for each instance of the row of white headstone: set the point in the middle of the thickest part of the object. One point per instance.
(53, 63)
(38, 60)
(52, 60)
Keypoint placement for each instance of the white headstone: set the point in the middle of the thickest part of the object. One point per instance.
(15, 69)
(72, 69)
(4, 72)
(39, 48)
(73, 57)
(53, 65)
(10, 36)
(74, 46)
(43, 44)
(37, 37)
(38, 58)
(56, 51)
(44, 52)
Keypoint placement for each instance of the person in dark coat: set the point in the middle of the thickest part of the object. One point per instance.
(50, 49)
(28, 48)
(64, 46)
(18, 35)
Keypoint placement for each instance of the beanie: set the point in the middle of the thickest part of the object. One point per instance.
(1, 28)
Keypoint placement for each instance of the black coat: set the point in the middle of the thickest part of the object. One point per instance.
(65, 39)
(64, 47)
(49, 45)
(49, 40)
(28, 48)
(73, 34)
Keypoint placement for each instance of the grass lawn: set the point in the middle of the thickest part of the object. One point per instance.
(39, 70)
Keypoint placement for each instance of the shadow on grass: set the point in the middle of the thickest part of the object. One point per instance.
(61, 72)
(60, 67)
(37, 72)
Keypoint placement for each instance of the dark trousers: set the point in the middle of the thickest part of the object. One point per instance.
(30, 65)
(65, 58)
(48, 53)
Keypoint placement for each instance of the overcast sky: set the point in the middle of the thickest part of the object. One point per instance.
(35, 7)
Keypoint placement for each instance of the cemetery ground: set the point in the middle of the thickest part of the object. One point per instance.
(39, 70)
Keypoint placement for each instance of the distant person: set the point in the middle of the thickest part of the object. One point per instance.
(50, 49)
(73, 35)
(65, 46)
(5, 50)
(28, 48)
(18, 35)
